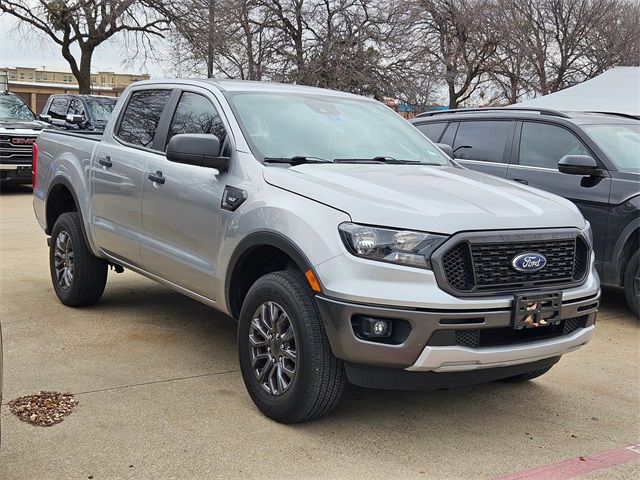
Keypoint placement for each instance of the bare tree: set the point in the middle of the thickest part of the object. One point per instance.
(458, 36)
(87, 24)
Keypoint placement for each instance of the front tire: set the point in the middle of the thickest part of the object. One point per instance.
(286, 361)
(632, 283)
(78, 276)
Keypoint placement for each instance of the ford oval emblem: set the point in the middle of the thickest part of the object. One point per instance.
(528, 262)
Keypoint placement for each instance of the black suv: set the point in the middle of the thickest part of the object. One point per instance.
(592, 159)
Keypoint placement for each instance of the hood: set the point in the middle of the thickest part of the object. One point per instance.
(427, 198)
(8, 124)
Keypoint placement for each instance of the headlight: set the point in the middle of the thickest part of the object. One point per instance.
(387, 245)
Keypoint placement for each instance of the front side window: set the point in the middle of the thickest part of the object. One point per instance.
(196, 114)
(543, 145)
(75, 107)
(141, 116)
(482, 141)
(621, 143)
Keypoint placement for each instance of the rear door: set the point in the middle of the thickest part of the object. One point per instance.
(180, 214)
(539, 146)
(117, 172)
(484, 146)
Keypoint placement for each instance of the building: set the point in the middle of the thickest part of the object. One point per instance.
(34, 85)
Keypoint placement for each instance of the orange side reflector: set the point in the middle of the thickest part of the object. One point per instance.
(312, 280)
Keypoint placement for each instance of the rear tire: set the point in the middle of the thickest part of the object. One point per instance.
(523, 377)
(286, 361)
(78, 276)
(632, 283)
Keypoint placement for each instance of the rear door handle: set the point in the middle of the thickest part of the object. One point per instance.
(156, 177)
(520, 180)
(106, 162)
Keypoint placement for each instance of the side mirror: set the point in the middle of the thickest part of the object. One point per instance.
(45, 118)
(445, 148)
(76, 119)
(580, 165)
(197, 149)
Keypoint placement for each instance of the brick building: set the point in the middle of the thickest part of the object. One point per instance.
(35, 85)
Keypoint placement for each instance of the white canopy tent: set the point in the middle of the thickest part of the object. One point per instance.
(616, 90)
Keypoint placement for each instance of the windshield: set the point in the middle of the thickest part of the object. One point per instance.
(620, 142)
(13, 108)
(101, 108)
(331, 128)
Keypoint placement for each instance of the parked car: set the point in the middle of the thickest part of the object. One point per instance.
(348, 247)
(19, 129)
(593, 159)
(78, 112)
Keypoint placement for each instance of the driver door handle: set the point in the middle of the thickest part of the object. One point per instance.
(106, 162)
(156, 177)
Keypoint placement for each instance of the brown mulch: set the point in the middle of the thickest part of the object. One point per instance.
(43, 409)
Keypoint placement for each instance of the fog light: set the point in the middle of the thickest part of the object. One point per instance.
(376, 327)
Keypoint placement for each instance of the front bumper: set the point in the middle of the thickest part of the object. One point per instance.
(437, 341)
(18, 174)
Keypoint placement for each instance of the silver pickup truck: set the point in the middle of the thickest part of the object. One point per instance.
(346, 244)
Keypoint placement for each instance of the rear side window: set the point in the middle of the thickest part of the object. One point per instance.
(433, 131)
(543, 145)
(483, 141)
(141, 116)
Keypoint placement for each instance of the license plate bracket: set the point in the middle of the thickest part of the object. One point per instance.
(534, 310)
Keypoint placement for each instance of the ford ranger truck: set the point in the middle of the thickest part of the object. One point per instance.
(347, 245)
(19, 129)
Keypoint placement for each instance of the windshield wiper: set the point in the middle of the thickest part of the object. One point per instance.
(295, 160)
(388, 160)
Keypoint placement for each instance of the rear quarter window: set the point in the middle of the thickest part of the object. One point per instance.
(433, 131)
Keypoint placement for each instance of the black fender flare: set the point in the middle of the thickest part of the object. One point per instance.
(64, 182)
(251, 242)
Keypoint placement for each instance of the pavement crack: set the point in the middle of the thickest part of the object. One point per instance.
(142, 384)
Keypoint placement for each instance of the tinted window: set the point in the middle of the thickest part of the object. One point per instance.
(75, 107)
(433, 131)
(484, 140)
(141, 116)
(543, 145)
(58, 108)
(196, 114)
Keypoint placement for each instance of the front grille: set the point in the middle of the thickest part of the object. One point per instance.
(478, 267)
(493, 337)
(15, 153)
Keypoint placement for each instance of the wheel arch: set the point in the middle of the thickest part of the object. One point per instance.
(628, 242)
(255, 256)
(61, 198)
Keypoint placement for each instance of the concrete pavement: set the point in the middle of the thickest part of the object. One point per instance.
(161, 396)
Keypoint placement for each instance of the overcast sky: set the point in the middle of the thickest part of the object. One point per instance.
(19, 50)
